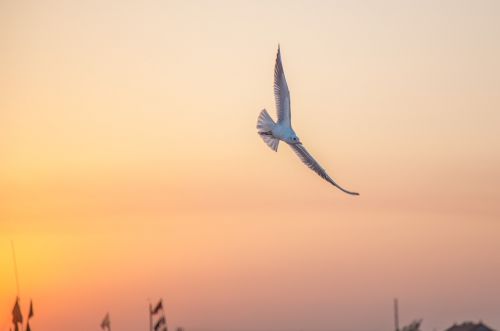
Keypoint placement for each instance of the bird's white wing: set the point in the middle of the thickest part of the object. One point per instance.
(281, 92)
(309, 161)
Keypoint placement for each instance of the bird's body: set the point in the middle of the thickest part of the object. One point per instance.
(274, 132)
(283, 132)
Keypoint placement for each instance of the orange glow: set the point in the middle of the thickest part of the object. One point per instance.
(130, 168)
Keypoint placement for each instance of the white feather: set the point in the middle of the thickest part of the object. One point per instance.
(265, 125)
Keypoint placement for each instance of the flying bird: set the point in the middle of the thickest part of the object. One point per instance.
(272, 132)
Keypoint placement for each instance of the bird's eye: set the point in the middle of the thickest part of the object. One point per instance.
(294, 138)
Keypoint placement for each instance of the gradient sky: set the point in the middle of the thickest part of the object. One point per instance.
(130, 168)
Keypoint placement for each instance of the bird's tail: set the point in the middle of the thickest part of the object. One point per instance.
(265, 125)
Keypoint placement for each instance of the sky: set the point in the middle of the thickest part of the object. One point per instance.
(130, 167)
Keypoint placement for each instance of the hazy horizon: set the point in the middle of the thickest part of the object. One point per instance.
(131, 168)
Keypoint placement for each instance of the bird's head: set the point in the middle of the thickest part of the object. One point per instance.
(294, 140)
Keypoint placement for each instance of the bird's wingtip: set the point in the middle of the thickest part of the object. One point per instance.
(343, 189)
(351, 193)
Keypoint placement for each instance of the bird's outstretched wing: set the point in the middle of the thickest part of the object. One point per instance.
(314, 165)
(281, 92)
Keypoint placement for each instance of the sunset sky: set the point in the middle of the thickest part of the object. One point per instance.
(130, 167)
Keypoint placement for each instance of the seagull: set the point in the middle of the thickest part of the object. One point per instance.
(272, 132)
